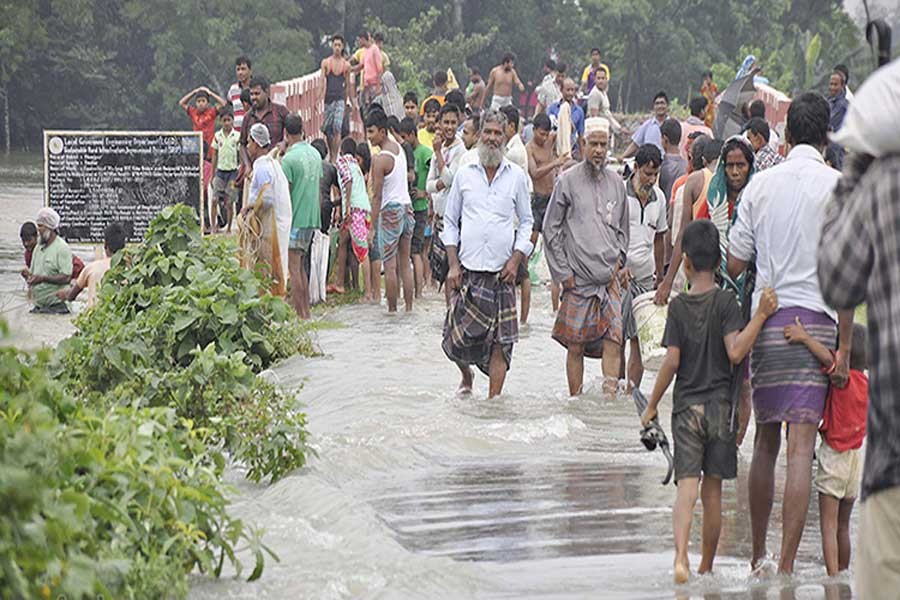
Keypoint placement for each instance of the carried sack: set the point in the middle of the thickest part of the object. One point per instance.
(318, 270)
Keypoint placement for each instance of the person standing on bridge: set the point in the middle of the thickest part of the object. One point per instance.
(586, 233)
(484, 250)
(265, 112)
(338, 92)
(243, 72)
(501, 81)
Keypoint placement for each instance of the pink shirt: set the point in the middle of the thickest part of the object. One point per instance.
(372, 67)
(687, 128)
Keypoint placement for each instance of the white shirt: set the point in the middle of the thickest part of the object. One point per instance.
(452, 156)
(779, 218)
(548, 92)
(518, 155)
(599, 101)
(480, 217)
(644, 224)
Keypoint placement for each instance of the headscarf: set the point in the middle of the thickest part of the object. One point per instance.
(391, 100)
(717, 200)
(48, 217)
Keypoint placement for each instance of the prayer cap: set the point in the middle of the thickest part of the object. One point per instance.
(260, 135)
(595, 124)
(48, 218)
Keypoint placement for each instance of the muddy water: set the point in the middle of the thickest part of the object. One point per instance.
(420, 494)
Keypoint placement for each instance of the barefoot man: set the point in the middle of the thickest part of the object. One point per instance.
(500, 83)
(338, 91)
(543, 165)
(484, 249)
(586, 232)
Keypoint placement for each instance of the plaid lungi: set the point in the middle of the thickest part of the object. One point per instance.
(787, 380)
(482, 314)
(334, 117)
(589, 320)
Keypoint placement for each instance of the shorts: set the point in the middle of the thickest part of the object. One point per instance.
(538, 210)
(420, 218)
(334, 118)
(395, 221)
(224, 183)
(838, 473)
(498, 102)
(704, 442)
(301, 239)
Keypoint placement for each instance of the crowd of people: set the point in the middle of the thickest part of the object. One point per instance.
(457, 190)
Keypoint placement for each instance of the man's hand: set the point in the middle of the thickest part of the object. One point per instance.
(840, 377)
(648, 415)
(562, 160)
(510, 269)
(796, 334)
(625, 278)
(438, 142)
(768, 303)
(25, 273)
(454, 278)
(569, 283)
(36, 279)
(663, 291)
(421, 194)
(62, 294)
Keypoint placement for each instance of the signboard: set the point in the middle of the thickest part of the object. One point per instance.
(94, 178)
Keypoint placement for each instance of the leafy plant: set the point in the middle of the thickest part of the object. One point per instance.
(180, 324)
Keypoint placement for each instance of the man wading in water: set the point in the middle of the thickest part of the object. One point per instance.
(484, 249)
(586, 232)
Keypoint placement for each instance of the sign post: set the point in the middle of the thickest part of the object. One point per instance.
(94, 178)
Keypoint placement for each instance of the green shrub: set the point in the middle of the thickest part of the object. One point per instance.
(113, 502)
(180, 324)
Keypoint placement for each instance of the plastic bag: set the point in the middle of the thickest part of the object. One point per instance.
(318, 270)
(871, 126)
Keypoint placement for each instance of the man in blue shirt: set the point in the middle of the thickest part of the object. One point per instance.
(649, 132)
(577, 114)
(837, 100)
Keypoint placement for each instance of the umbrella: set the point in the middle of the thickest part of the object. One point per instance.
(653, 435)
(729, 120)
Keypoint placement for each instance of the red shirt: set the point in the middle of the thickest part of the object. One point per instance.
(204, 121)
(844, 421)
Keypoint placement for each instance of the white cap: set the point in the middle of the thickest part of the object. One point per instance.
(48, 218)
(260, 135)
(595, 124)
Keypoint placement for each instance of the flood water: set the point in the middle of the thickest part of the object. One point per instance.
(418, 493)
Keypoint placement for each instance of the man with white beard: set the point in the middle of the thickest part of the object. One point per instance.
(484, 250)
(586, 232)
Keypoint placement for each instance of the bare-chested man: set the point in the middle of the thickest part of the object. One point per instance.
(475, 91)
(338, 91)
(543, 166)
(694, 206)
(500, 82)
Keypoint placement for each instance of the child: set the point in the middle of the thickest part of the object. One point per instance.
(426, 133)
(411, 106)
(225, 166)
(838, 457)
(202, 117)
(705, 326)
(422, 161)
(355, 214)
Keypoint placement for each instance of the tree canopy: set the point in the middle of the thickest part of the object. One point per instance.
(123, 64)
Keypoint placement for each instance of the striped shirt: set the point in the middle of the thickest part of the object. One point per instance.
(234, 97)
(859, 261)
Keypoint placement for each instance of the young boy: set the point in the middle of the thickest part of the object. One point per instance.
(225, 166)
(422, 161)
(202, 116)
(705, 326)
(426, 133)
(411, 106)
(843, 430)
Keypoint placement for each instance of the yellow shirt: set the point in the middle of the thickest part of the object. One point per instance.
(426, 138)
(587, 72)
(358, 56)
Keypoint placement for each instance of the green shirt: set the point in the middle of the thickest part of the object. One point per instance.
(226, 150)
(423, 155)
(49, 261)
(302, 166)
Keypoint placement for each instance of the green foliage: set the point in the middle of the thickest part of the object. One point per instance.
(117, 502)
(180, 324)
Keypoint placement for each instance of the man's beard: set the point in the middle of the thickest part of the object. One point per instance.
(595, 169)
(489, 157)
(45, 236)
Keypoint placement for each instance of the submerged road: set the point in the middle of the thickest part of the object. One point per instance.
(418, 493)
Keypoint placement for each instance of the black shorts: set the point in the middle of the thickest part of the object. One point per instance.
(418, 236)
(704, 442)
(538, 210)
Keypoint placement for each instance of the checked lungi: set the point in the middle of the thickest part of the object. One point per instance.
(588, 320)
(787, 379)
(482, 314)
